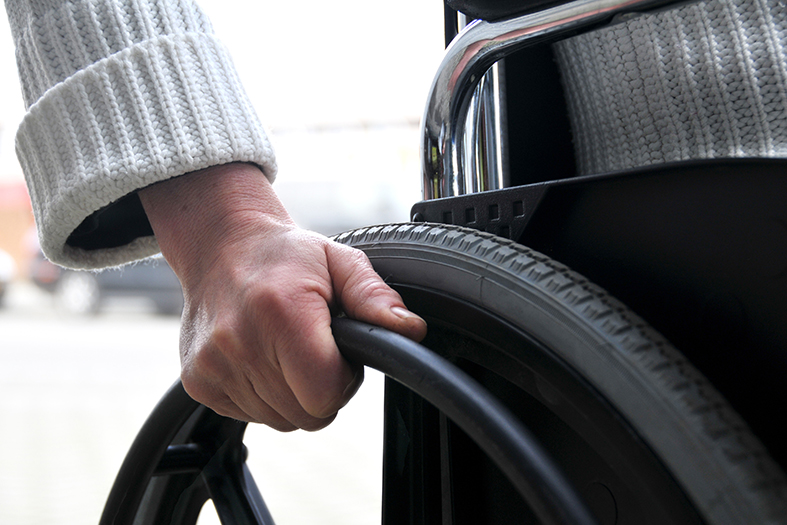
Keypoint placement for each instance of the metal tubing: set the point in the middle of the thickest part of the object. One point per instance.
(469, 56)
(484, 140)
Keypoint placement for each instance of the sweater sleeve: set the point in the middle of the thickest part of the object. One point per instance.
(121, 94)
(699, 81)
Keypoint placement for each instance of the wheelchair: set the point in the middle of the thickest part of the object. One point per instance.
(538, 397)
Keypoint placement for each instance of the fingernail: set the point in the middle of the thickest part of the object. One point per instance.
(413, 326)
(402, 312)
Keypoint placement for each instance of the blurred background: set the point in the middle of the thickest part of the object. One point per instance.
(341, 87)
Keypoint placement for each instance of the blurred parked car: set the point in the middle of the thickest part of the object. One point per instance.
(7, 272)
(85, 292)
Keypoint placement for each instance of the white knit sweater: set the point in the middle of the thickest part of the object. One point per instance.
(121, 94)
(705, 80)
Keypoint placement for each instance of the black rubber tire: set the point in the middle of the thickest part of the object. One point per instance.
(614, 380)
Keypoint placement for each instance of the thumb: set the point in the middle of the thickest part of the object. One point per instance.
(364, 296)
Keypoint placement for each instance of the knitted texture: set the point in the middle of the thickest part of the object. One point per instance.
(121, 94)
(702, 81)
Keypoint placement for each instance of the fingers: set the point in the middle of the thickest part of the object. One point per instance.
(365, 296)
(246, 402)
(320, 378)
(239, 378)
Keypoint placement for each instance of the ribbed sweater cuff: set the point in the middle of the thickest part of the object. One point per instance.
(157, 109)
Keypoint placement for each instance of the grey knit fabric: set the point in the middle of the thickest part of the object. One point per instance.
(121, 94)
(705, 80)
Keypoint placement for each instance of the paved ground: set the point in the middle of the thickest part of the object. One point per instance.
(74, 391)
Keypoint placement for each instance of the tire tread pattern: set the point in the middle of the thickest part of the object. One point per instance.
(717, 424)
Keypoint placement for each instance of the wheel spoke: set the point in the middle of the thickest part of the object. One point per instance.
(232, 488)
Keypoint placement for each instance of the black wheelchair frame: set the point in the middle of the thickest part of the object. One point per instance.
(695, 248)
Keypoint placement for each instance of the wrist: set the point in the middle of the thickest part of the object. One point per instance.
(195, 215)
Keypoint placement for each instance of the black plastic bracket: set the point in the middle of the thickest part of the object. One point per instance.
(504, 213)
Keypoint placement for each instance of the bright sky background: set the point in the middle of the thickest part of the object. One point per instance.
(313, 62)
(304, 64)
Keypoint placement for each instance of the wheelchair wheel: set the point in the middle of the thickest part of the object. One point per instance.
(643, 436)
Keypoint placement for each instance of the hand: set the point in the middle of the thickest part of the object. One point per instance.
(256, 341)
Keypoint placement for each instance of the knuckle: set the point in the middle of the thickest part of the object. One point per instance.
(359, 261)
(224, 350)
(268, 299)
(368, 291)
(358, 255)
(285, 309)
(224, 407)
(206, 394)
(208, 363)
